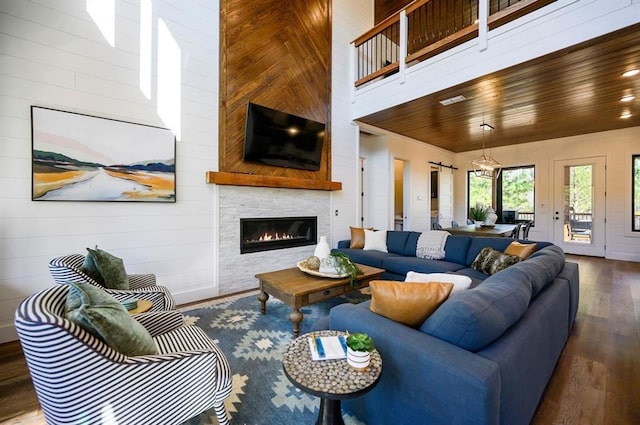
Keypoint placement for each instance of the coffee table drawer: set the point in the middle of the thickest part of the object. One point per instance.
(315, 297)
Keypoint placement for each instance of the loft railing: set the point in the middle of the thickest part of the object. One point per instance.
(425, 28)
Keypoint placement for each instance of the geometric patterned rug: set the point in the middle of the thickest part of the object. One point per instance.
(253, 344)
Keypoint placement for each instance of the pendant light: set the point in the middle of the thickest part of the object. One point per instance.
(486, 166)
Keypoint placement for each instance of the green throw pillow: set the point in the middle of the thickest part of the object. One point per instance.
(103, 316)
(90, 268)
(109, 267)
(489, 261)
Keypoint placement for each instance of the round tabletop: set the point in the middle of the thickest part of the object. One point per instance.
(331, 379)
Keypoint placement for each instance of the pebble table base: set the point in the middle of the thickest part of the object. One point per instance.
(331, 380)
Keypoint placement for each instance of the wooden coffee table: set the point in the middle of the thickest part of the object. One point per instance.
(298, 289)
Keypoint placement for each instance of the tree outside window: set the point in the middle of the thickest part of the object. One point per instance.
(514, 190)
(480, 191)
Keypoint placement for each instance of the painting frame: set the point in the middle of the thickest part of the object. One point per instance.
(87, 158)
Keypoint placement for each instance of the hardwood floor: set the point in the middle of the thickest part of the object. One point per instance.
(594, 382)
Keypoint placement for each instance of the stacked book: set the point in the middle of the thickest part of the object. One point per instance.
(328, 347)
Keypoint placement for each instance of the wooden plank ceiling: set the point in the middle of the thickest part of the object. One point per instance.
(570, 92)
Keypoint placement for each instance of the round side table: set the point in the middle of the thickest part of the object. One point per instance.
(331, 380)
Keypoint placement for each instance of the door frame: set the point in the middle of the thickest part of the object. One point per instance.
(597, 247)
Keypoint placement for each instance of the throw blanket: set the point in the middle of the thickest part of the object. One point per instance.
(431, 244)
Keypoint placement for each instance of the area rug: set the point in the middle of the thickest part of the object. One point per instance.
(253, 344)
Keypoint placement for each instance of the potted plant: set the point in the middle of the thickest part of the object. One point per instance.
(359, 348)
(478, 214)
(344, 265)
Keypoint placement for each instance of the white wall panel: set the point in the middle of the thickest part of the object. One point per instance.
(350, 19)
(52, 54)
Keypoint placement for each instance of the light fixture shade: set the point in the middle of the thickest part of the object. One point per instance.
(486, 167)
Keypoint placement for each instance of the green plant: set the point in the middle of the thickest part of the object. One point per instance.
(479, 212)
(360, 342)
(344, 265)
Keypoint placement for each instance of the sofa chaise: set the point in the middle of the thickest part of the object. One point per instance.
(485, 355)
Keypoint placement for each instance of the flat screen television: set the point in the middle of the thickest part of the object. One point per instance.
(282, 140)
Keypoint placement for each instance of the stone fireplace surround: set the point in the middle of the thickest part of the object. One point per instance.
(236, 272)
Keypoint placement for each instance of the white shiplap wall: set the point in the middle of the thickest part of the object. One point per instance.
(350, 19)
(53, 54)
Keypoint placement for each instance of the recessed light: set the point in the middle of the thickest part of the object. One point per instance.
(627, 98)
(631, 73)
(625, 115)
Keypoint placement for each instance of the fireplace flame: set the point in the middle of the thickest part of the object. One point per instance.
(274, 237)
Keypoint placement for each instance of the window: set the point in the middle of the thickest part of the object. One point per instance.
(635, 195)
(480, 191)
(514, 192)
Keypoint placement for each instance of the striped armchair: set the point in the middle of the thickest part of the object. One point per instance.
(80, 379)
(68, 268)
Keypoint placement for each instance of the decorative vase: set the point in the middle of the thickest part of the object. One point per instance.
(492, 217)
(478, 223)
(358, 359)
(322, 249)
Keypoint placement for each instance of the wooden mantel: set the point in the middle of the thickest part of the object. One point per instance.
(239, 179)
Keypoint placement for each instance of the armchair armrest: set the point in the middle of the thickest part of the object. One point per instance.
(422, 376)
(140, 280)
(159, 322)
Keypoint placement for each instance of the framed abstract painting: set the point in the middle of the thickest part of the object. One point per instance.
(78, 157)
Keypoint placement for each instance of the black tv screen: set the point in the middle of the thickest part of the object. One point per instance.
(282, 140)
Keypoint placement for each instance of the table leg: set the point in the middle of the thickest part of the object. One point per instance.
(296, 317)
(263, 297)
(330, 412)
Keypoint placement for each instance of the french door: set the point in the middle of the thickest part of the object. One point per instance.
(579, 206)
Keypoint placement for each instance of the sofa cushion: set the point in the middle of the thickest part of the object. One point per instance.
(402, 265)
(101, 315)
(411, 244)
(543, 266)
(476, 276)
(396, 241)
(490, 261)
(522, 250)
(459, 282)
(409, 303)
(456, 247)
(375, 240)
(474, 318)
(369, 258)
(480, 242)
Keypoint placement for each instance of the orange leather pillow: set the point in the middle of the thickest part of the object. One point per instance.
(522, 250)
(409, 303)
(357, 237)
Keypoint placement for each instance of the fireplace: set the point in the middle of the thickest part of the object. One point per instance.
(265, 234)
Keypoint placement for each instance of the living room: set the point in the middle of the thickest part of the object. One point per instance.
(73, 57)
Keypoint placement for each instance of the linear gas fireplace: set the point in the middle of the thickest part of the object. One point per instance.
(265, 234)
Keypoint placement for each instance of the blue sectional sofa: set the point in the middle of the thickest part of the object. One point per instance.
(485, 355)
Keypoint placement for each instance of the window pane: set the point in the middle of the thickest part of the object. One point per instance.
(518, 192)
(636, 194)
(480, 190)
(578, 203)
